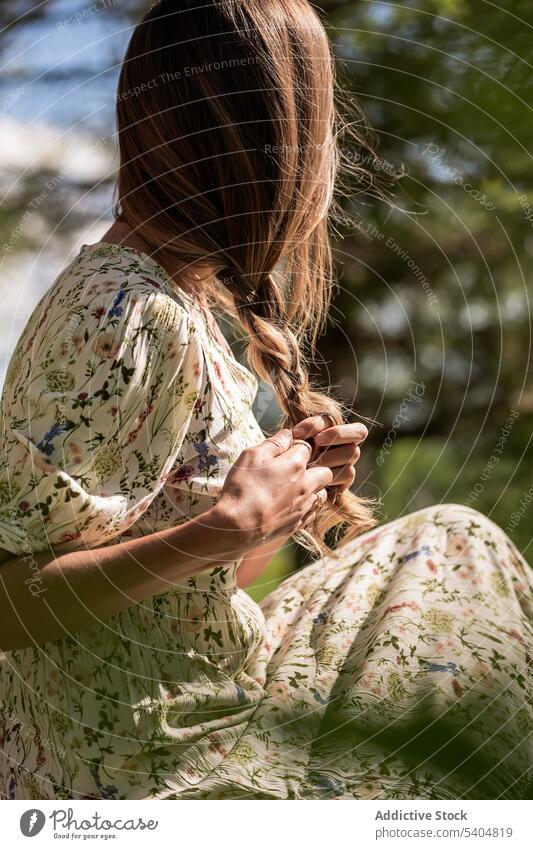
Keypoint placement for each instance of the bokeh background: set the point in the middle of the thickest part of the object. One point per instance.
(430, 338)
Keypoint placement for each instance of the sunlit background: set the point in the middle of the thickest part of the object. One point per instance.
(431, 331)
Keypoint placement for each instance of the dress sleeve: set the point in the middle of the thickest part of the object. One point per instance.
(94, 419)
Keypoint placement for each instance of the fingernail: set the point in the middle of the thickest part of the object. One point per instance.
(299, 431)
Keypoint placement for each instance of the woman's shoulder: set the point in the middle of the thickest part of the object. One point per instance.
(109, 284)
(107, 299)
(105, 269)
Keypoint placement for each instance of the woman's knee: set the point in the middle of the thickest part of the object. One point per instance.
(477, 523)
(460, 517)
(457, 532)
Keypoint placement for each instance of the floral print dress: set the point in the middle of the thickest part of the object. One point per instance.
(397, 669)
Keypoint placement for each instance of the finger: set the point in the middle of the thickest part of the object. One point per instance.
(332, 457)
(278, 443)
(308, 428)
(312, 505)
(300, 450)
(318, 477)
(341, 434)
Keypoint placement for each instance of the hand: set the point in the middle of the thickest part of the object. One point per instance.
(336, 447)
(270, 490)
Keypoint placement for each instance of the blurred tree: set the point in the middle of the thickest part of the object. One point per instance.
(436, 292)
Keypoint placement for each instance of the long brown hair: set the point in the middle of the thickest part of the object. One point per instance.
(229, 154)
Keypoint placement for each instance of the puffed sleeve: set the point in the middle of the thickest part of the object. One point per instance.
(94, 412)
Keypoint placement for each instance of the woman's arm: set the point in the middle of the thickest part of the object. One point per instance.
(255, 562)
(79, 589)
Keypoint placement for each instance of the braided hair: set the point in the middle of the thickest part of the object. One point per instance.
(229, 155)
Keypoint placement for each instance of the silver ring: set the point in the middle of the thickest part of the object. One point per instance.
(329, 418)
(303, 442)
(307, 519)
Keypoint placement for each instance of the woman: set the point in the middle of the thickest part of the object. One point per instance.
(139, 494)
